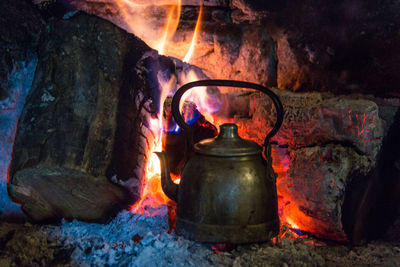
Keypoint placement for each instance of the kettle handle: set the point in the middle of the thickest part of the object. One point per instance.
(275, 99)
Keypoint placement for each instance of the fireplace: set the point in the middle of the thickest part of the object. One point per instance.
(99, 78)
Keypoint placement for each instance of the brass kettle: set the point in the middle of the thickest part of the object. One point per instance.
(227, 192)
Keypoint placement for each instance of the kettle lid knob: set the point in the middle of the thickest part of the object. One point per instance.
(227, 144)
(228, 130)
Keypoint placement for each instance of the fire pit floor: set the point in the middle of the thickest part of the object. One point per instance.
(136, 240)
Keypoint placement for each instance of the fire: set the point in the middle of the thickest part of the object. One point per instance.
(194, 39)
(160, 37)
(170, 27)
(291, 223)
(206, 103)
(152, 193)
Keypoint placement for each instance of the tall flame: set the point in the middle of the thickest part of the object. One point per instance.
(195, 36)
(152, 193)
(170, 26)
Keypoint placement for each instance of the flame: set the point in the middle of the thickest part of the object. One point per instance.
(206, 103)
(138, 17)
(189, 54)
(131, 22)
(290, 222)
(152, 194)
(170, 27)
(143, 18)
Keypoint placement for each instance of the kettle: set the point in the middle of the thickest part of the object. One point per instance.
(227, 192)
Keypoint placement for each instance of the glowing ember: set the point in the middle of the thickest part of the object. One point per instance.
(291, 223)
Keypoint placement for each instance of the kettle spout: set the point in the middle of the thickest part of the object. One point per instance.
(168, 186)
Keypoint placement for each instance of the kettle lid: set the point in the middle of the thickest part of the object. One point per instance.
(227, 144)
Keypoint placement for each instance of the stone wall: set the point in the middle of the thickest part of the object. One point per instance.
(347, 46)
(328, 158)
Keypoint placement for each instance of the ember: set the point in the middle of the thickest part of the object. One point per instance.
(223, 247)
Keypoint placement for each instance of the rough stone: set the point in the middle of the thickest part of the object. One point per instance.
(224, 49)
(327, 155)
(346, 47)
(315, 118)
(20, 27)
(84, 117)
(296, 45)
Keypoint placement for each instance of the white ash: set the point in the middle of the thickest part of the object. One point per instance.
(136, 240)
(129, 240)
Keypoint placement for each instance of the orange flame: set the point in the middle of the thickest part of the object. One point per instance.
(189, 54)
(291, 223)
(152, 193)
(170, 27)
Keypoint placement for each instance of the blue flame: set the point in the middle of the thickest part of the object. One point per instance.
(190, 121)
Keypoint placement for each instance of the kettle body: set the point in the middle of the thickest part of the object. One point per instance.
(227, 192)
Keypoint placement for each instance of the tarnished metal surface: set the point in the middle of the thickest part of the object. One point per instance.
(227, 144)
(225, 198)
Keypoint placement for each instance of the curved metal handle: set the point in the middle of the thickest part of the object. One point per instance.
(275, 99)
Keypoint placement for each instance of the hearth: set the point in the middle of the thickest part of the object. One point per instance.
(100, 76)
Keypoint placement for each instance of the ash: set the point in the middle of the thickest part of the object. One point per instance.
(129, 240)
(133, 239)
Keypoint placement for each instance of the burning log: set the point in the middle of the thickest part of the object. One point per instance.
(83, 123)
